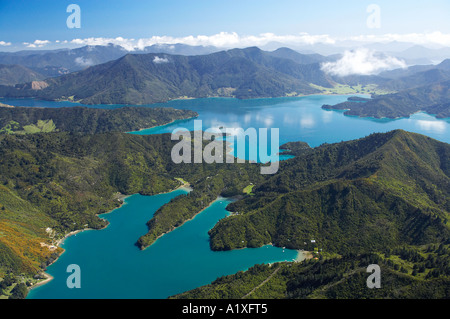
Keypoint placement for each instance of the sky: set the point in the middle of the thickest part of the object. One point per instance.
(42, 24)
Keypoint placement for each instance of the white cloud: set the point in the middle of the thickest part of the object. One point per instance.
(159, 60)
(3, 43)
(435, 37)
(37, 43)
(228, 40)
(221, 40)
(128, 44)
(363, 62)
(84, 62)
(235, 40)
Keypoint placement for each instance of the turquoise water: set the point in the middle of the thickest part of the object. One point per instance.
(298, 119)
(112, 267)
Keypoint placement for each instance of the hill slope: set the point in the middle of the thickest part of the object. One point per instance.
(383, 190)
(15, 74)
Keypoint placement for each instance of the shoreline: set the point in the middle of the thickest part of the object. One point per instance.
(159, 126)
(60, 241)
(177, 99)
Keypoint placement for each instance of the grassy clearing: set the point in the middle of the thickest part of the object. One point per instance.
(249, 190)
(348, 89)
(42, 126)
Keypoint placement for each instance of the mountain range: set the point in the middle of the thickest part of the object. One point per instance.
(150, 78)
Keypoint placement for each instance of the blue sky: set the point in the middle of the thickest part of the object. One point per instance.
(24, 22)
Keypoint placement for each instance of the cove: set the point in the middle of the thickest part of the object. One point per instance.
(113, 267)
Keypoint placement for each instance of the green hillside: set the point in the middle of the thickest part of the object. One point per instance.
(382, 190)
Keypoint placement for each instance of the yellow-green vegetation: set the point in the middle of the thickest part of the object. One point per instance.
(355, 89)
(10, 128)
(44, 126)
(248, 190)
(182, 181)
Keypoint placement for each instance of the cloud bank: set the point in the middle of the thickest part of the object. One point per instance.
(235, 40)
(362, 62)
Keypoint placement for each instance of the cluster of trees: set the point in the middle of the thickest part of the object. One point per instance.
(19, 291)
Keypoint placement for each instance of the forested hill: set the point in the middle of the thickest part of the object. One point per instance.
(150, 78)
(380, 191)
(86, 120)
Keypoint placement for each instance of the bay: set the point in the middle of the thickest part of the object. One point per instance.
(113, 267)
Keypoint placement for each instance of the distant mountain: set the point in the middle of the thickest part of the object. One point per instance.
(417, 79)
(57, 62)
(15, 74)
(297, 57)
(431, 98)
(178, 49)
(421, 55)
(150, 78)
(399, 73)
(62, 61)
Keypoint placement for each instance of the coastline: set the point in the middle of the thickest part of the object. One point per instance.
(60, 241)
(159, 126)
(58, 244)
